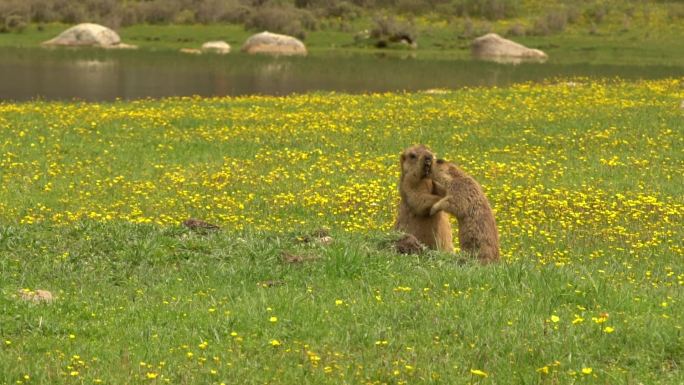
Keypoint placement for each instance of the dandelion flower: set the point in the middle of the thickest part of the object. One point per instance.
(479, 372)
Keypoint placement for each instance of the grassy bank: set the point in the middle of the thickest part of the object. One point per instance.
(652, 43)
(585, 180)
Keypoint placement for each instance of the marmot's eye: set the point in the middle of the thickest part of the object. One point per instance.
(413, 156)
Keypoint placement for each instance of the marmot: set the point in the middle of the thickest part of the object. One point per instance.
(417, 197)
(477, 233)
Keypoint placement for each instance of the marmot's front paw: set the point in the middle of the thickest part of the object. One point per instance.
(433, 210)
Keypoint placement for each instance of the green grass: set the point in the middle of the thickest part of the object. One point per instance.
(139, 299)
(585, 178)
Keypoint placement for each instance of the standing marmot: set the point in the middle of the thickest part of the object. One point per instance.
(465, 199)
(417, 197)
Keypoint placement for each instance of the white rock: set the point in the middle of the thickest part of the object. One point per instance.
(495, 48)
(274, 44)
(88, 35)
(219, 47)
(192, 51)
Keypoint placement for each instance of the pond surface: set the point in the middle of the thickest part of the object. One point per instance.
(98, 75)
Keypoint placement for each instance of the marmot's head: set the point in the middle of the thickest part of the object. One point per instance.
(440, 171)
(416, 162)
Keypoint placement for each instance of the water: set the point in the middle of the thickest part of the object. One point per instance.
(98, 75)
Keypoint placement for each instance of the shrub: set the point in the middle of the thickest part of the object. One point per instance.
(387, 29)
(185, 16)
(626, 23)
(343, 9)
(14, 23)
(488, 9)
(597, 13)
(516, 30)
(70, 13)
(98, 9)
(238, 14)
(158, 11)
(11, 12)
(675, 12)
(212, 11)
(413, 6)
(468, 28)
(113, 21)
(287, 20)
(573, 15)
(646, 14)
(130, 15)
(42, 11)
(552, 22)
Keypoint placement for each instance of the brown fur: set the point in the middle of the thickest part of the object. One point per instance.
(477, 233)
(417, 197)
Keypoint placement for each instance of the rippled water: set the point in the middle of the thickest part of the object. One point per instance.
(63, 74)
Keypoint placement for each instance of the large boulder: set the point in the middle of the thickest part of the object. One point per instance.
(274, 44)
(220, 47)
(88, 35)
(493, 47)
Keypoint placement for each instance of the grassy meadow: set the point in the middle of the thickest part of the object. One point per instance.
(585, 178)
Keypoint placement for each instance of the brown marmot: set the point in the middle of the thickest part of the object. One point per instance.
(465, 199)
(417, 197)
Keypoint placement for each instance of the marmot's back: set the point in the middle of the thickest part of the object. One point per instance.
(477, 232)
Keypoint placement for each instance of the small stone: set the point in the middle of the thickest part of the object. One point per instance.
(198, 224)
(321, 236)
(295, 258)
(191, 51)
(325, 240)
(271, 283)
(218, 47)
(36, 296)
